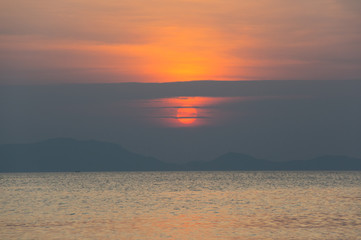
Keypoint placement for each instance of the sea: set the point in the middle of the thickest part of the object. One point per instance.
(180, 205)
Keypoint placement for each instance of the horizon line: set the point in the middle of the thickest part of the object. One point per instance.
(175, 82)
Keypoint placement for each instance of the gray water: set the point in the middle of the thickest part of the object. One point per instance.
(181, 205)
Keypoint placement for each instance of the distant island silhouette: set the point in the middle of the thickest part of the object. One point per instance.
(70, 155)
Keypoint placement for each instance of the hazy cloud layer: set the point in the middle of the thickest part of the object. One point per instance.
(269, 119)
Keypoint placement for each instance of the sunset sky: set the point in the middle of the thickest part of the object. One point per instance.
(286, 75)
(87, 41)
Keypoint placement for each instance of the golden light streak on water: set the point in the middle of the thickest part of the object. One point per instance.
(181, 205)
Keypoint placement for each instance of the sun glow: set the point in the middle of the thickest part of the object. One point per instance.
(187, 115)
(187, 111)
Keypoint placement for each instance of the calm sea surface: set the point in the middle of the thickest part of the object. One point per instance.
(181, 205)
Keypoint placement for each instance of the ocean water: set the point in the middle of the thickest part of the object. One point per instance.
(181, 205)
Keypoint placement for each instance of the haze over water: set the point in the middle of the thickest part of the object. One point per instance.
(181, 205)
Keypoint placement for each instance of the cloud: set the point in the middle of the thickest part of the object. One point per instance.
(89, 21)
(178, 40)
(353, 6)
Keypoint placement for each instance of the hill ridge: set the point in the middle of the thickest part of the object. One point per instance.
(68, 154)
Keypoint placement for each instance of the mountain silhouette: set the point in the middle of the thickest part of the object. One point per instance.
(327, 162)
(66, 154)
(231, 161)
(242, 162)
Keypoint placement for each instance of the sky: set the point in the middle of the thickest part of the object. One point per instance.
(92, 41)
(184, 80)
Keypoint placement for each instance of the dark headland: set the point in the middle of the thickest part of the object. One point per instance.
(69, 155)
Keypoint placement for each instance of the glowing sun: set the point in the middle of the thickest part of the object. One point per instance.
(187, 115)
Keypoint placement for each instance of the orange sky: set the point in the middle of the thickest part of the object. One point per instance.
(83, 41)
